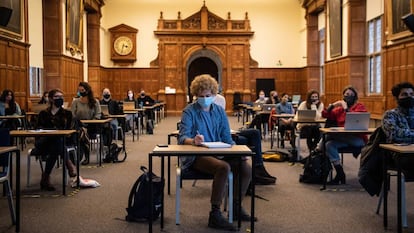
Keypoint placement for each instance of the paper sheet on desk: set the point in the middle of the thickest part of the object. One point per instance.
(216, 145)
(42, 130)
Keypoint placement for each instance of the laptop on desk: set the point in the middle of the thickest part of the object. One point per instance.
(267, 108)
(306, 114)
(357, 120)
(258, 105)
(295, 99)
(129, 105)
(104, 109)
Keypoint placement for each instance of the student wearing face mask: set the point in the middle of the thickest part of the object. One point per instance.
(335, 114)
(205, 121)
(311, 131)
(45, 98)
(398, 123)
(113, 107)
(86, 107)
(146, 100)
(53, 117)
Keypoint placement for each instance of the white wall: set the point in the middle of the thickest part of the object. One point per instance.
(278, 25)
(375, 8)
(35, 33)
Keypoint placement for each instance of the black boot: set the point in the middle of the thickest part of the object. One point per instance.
(86, 160)
(45, 183)
(340, 176)
(260, 171)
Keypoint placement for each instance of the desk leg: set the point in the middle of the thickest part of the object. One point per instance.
(169, 168)
(162, 193)
(324, 153)
(399, 201)
(239, 204)
(17, 190)
(252, 206)
(150, 195)
(65, 157)
(77, 161)
(385, 191)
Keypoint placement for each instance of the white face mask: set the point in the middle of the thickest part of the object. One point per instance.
(130, 95)
(261, 96)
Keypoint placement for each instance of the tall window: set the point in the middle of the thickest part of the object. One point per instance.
(374, 56)
(36, 81)
(322, 60)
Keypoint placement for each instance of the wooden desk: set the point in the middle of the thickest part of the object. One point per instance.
(400, 151)
(14, 149)
(187, 150)
(100, 123)
(53, 133)
(342, 131)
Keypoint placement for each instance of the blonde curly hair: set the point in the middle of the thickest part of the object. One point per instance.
(203, 82)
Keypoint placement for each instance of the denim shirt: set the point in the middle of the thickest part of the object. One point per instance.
(396, 126)
(213, 125)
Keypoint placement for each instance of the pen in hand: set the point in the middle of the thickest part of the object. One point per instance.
(198, 139)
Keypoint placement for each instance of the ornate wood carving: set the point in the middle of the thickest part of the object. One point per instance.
(181, 39)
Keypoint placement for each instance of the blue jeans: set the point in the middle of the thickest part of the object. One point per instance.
(251, 137)
(335, 142)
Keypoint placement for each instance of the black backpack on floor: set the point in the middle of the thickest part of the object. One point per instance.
(139, 198)
(316, 169)
(112, 155)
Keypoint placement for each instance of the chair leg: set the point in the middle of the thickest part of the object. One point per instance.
(403, 204)
(230, 186)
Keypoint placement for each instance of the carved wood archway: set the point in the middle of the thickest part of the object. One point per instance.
(225, 41)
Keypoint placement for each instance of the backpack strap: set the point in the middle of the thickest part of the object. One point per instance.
(134, 187)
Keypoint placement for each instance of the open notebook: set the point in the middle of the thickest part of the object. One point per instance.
(216, 145)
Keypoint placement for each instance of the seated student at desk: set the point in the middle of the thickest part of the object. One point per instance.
(86, 107)
(113, 108)
(311, 130)
(45, 98)
(398, 123)
(260, 119)
(9, 107)
(54, 117)
(130, 118)
(204, 121)
(145, 100)
(285, 107)
(335, 116)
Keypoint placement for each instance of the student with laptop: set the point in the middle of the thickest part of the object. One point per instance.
(259, 120)
(335, 115)
(112, 107)
(398, 123)
(285, 107)
(310, 131)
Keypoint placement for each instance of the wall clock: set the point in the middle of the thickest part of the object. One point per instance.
(123, 44)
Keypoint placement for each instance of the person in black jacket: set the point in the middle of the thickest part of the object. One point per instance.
(113, 108)
(54, 117)
(145, 100)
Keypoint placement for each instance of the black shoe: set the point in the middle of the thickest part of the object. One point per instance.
(244, 216)
(217, 221)
(85, 162)
(260, 180)
(261, 171)
(340, 177)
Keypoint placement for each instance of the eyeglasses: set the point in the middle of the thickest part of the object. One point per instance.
(58, 96)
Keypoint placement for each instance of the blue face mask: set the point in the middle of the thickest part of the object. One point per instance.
(205, 102)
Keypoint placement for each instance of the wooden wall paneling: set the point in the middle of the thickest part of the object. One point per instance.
(93, 39)
(52, 27)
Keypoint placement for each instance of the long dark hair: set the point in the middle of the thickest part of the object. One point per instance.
(89, 92)
(12, 103)
(309, 99)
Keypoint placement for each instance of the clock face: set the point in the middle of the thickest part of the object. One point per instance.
(123, 45)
